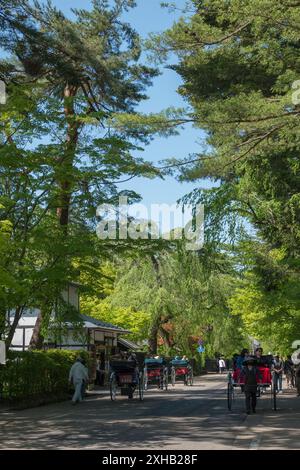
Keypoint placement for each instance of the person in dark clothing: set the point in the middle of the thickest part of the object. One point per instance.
(234, 361)
(289, 372)
(259, 356)
(251, 375)
(240, 363)
(262, 360)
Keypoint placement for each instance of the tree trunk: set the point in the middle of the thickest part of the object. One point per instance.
(160, 320)
(154, 329)
(166, 335)
(12, 329)
(37, 339)
(2, 322)
(65, 184)
(153, 334)
(66, 162)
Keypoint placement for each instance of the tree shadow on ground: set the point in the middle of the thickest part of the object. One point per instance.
(184, 417)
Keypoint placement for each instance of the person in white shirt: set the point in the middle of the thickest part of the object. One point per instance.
(78, 375)
(222, 365)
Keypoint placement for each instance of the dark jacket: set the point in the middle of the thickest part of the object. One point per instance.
(251, 377)
(288, 366)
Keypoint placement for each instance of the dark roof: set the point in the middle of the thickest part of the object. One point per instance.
(102, 324)
(128, 344)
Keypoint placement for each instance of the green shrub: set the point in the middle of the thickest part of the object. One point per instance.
(37, 374)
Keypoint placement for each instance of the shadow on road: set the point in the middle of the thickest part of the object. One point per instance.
(181, 418)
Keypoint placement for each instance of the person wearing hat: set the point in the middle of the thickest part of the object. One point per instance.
(250, 374)
(78, 376)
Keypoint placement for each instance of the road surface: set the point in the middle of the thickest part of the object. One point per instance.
(182, 418)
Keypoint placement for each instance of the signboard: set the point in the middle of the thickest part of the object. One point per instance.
(2, 352)
(99, 336)
(201, 349)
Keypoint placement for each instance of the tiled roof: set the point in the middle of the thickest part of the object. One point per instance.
(128, 344)
(90, 321)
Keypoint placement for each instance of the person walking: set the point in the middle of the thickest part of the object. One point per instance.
(251, 375)
(278, 370)
(289, 372)
(222, 365)
(78, 376)
(99, 373)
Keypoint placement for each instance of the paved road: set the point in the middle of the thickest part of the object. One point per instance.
(182, 418)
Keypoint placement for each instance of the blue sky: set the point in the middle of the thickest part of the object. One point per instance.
(146, 18)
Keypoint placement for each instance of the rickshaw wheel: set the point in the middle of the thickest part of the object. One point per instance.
(273, 392)
(230, 395)
(141, 386)
(161, 383)
(113, 387)
(173, 376)
(165, 381)
(145, 382)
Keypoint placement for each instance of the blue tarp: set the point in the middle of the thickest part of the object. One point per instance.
(154, 361)
(179, 362)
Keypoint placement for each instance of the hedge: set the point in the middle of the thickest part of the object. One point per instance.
(37, 375)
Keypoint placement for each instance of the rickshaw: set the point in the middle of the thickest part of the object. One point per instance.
(156, 373)
(128, 376)
(265, 383)
(181, 370)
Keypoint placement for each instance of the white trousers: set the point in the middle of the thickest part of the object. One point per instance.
(77, 394)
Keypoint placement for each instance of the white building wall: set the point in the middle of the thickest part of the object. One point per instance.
(29, 317)
(27, 322)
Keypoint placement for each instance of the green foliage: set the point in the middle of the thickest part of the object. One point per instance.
(240, 89)
(65, 80)
(146, 126)
(238, 62)
(37, 374)
(69, 133)
(137, 322)
(171, 298)
(98, 301)
(267, 299)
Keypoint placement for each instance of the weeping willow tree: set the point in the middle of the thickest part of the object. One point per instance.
(178, 297)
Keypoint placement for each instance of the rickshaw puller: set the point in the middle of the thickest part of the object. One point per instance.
(251, 374)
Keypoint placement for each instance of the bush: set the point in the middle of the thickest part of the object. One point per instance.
(38, 375)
